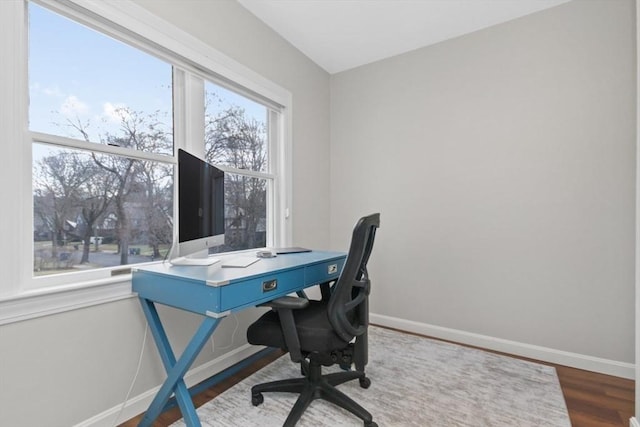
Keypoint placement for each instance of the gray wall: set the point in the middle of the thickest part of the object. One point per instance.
(503, 164)
(75, 365)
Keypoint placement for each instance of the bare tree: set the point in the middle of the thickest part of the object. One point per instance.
(158, 204)
(138, 131)
(97, 196)
(233, 139)
(135, 196)
(57, 191)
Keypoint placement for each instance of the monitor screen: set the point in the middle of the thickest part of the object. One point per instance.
(200, 204)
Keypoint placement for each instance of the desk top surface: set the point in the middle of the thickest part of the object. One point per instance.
(216, 275)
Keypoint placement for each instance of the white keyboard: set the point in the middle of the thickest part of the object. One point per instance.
(240, 261)
(194, 261)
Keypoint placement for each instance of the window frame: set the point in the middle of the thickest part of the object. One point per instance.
(134, 25)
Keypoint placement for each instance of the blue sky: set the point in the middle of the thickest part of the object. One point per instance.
(77, 73)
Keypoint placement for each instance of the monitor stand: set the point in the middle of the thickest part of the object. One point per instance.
(195, 261)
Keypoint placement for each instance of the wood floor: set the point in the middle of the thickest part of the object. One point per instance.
(593, 400)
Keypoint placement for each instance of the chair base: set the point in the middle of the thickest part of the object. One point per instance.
(316, 386)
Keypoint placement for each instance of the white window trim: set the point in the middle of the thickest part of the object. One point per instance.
(17, 302)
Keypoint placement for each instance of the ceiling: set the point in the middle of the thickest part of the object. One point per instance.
(343, 34)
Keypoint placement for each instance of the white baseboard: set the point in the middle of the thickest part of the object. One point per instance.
(574, 360)
(139, 404)
(633, 422)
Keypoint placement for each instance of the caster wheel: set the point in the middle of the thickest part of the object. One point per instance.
(257, 399)
(365, 383)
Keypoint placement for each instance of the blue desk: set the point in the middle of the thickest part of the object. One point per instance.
(214, 292)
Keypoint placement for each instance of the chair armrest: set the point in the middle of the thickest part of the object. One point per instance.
(291, 303)
(285, 306)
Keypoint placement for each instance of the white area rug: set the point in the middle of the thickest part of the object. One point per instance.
(415, 382)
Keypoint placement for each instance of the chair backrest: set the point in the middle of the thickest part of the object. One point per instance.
(348, 308)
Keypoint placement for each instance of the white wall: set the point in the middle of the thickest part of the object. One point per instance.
(60, 370)
(503, 165)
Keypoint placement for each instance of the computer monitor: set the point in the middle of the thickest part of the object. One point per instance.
(200, 210)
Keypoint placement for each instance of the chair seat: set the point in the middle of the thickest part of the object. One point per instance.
(312, 324)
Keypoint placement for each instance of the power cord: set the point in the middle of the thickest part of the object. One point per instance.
(135, 377)
(233, 336)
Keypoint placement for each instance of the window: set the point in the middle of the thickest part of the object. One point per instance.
(236, 136)
(100, 199)
(86, 85)
(107, 102)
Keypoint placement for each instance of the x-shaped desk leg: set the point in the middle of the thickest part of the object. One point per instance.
(175, 369)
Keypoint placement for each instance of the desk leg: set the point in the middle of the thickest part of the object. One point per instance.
(175, 369)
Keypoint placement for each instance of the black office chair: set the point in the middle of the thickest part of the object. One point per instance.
(322, 333)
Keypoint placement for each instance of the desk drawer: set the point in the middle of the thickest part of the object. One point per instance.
(260, 289)
(324, 271)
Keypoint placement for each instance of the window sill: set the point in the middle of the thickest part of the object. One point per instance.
(44, 302)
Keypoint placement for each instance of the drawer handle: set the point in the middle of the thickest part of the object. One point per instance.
(269, 285)
(332, 269)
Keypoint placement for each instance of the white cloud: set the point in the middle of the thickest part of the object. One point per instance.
(72, 107)
(114, 112)
(53, 91)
